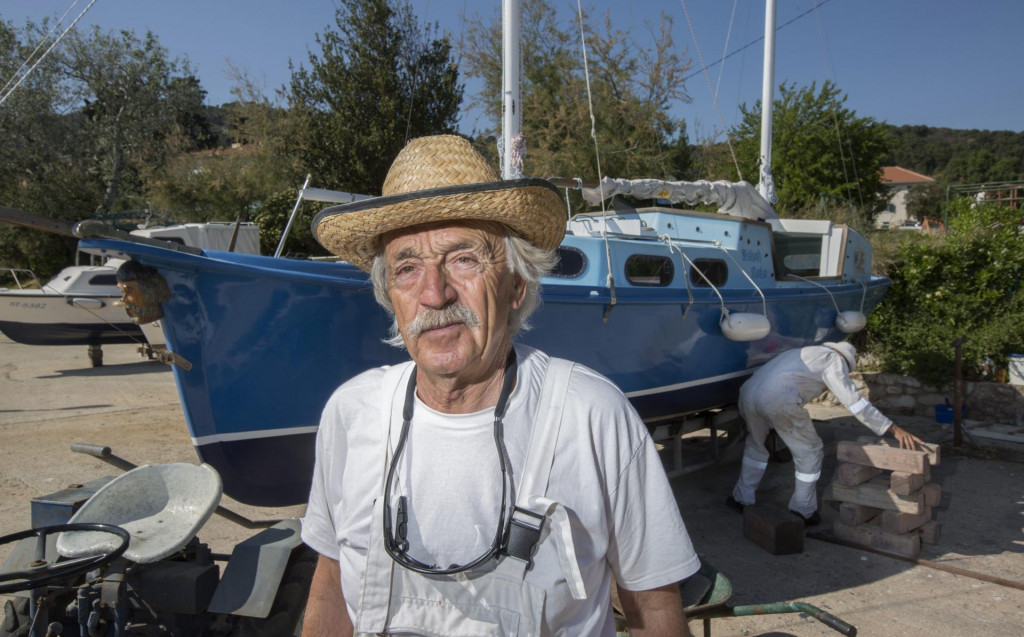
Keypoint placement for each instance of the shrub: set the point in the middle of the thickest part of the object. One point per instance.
(965, 286)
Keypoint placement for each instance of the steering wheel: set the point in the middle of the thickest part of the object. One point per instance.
(45, 572)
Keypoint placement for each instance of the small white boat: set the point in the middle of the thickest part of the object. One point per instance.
(79, 305)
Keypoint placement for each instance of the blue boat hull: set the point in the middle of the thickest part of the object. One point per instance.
(269, 340)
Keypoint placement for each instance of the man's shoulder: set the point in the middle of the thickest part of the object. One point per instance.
(584, 382)
(362, 388)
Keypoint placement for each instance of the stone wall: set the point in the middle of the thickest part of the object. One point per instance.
(894, 394)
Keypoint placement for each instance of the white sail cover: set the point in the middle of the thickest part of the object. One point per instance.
(734, 198)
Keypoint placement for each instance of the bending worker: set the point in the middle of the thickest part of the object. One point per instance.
(773, 398)
(482, 488)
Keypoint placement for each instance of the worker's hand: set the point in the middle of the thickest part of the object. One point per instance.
(906, 439)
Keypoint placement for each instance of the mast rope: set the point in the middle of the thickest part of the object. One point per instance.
(45, 53)
(44, 39)
(764, 301)
(714, 95)
(597, 155)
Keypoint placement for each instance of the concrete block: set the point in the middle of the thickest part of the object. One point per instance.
(774, 529)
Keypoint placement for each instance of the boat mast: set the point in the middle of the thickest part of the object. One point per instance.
(766, 185)
(511, 113)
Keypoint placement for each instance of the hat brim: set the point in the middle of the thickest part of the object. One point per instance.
(531, 207)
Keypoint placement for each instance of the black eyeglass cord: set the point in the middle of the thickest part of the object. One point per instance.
(395, 542)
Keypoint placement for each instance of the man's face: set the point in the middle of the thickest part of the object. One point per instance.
(452, 293)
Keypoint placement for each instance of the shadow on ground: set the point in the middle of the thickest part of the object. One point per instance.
(125, 369)
(980, 513)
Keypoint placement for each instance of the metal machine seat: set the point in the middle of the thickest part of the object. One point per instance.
(161, 506)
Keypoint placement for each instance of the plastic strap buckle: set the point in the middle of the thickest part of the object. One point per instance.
(524, 535)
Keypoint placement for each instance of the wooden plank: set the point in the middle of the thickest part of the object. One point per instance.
(930, 532)
(896, 522)
(905, 544)
(932, 494)
(932, 450)
(861, 534)
(906, 483)
(882, 456)
(854, 514)
(850, 475)
(880, 497)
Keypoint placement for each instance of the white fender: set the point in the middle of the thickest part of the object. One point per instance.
(745, 326)
(851, 321)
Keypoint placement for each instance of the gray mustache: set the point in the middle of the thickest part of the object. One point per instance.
(430, 319)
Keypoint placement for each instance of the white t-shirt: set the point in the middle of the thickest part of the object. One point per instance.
(606, 472)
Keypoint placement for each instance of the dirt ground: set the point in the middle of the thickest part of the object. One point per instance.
(51, 397)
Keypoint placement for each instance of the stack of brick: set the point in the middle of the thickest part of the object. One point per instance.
(886, 496)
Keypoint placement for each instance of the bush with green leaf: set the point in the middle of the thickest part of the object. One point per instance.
(966, 286)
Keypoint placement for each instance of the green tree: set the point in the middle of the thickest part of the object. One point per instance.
(967, 285)
(379, 80)
(820, 149)
(926, 200)
(134, 99)
(232, 182)
(40, 169)
(633, 85)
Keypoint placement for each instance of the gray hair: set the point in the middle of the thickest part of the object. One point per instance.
(524, 260)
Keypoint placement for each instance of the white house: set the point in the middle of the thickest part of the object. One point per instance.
(899, 180)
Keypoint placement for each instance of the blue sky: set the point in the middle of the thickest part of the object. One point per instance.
(941, 63)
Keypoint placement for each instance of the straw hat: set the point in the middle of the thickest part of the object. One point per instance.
(846, 350)
(441, 178)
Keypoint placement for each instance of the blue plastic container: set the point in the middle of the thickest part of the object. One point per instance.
(944, 413)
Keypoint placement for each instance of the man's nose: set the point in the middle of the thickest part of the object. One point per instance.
(436, 291)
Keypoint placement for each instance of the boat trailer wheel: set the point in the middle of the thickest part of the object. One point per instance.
(46, 572)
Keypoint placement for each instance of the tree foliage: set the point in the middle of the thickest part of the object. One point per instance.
(233, 181)
(633, 84)
(81, 133)
(959, 156)
(135, 100)
(967, 285)
(820, 150)
(379, 80)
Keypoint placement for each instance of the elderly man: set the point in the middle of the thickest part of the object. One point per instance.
(773, 399)
(482, 488)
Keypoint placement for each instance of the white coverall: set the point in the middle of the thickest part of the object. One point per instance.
(773, 398)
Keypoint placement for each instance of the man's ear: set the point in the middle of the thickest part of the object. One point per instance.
(518, 292)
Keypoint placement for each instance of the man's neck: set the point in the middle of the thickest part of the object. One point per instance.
(454, 395)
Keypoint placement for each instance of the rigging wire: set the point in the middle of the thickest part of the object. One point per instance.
(714, 95)
(826, 56)
(45, 53)
(597, 156)
(753, 42)
(42, 41)
(728, 37)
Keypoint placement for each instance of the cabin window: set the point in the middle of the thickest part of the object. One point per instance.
(103, 279)
(648, 269)
(571, 263)
(715, 270)
(798, 254)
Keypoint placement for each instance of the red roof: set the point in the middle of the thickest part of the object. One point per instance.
(896, 176)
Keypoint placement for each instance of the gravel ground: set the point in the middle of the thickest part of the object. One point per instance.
(51, 397)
